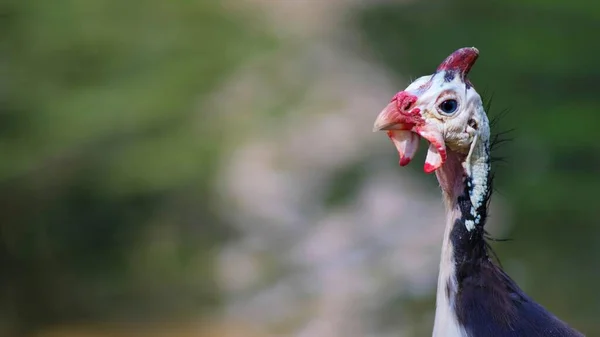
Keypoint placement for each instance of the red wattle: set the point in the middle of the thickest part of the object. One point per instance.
(428, 168)
(404, 161)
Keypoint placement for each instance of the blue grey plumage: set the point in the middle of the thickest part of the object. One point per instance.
(488, 302)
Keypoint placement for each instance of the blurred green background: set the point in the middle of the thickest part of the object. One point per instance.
(118, 119)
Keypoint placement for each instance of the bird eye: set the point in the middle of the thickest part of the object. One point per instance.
(448, 106)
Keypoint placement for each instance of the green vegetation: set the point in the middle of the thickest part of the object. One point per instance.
(106, 148)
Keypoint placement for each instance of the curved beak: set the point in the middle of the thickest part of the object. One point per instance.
(405, 129)
(391, 119)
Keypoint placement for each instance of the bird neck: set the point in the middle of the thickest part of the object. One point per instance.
(466, 184)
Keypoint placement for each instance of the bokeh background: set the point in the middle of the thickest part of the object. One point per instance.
(207, 168)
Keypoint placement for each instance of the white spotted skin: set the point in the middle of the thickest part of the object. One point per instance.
(477, 166)
(470, 224)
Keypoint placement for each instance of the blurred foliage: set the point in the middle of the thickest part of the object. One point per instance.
(539, 59)
(109, 150)
(106, 147)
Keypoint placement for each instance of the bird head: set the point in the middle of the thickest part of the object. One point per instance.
(443, 108)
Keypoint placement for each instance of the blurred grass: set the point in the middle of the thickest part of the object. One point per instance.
(86, 72)
(182, 329)
(108, 153)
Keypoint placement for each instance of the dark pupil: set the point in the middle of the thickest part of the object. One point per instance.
(449, 106)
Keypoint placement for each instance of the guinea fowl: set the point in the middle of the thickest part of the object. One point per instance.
(475, 297)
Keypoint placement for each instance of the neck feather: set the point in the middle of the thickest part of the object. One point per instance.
(466, 184)
(466, 187)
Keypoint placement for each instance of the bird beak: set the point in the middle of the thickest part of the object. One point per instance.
(405, 129)
(389, 119)
(399, 130)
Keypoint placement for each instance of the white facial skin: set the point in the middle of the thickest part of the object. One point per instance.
(459, 129)
(463, 128)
